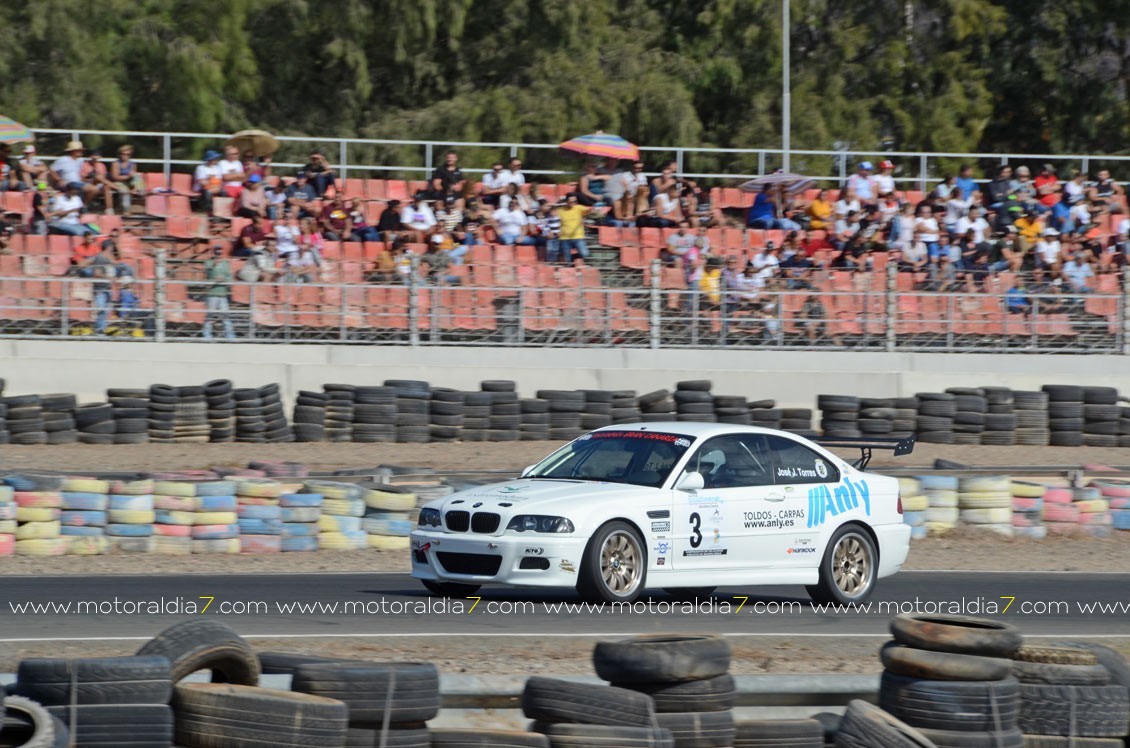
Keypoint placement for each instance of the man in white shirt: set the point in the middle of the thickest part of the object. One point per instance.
(1078, 273)
(680, 245)
(766, 263)
(418, 218)
(231, 172)
(512, 174)
(972, 221)
(861, 185)
(65, 215)
(67, 170)
(208, 180)
(1048, 249)
(510, 223)
(494, 184)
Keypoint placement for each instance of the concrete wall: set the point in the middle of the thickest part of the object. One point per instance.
(793, 378)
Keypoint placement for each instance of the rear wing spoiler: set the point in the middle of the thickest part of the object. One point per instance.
(865, 445)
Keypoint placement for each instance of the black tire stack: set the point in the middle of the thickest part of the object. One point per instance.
(839, 416)
(399, 697)
(374, 414)
(657, 406)
(766, 414)
(5, 435)
(505, 410)
(534, 425)
(565, 409)
(476, 416)
(936, 411)
(693, 401)
(950, 678)
(309, 416)
(339, 412)
(687, 678)
(1065, 414)
(1031, 410)
(732, 409)
(905, 422)
(1100, 416)
(1123, 426)
(876, 416)
(797, 421)
(109, 702)
(445, 422)
(190, 415)
(626, 407)
(1000, 419)
(163, 401)
(412, 401)
(598, 409)
(221, 410)
(582, 714)
(274, 415)
(59, 418)
(95, 423)
(24, 419)
(1073, 690)
(130, 413)
(969, 417)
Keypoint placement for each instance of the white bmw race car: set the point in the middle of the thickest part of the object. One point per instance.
(682, 506)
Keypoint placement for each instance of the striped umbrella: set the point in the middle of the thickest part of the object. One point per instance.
(602, 145)
(790, 183)
(13, 132)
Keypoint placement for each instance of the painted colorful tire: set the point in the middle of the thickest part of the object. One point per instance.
(81, 532)
(41, 547)
(165, 545)
(172, 531)
(344, 507)
(301, 499)
(39, 499)
(390, 502)
(335, 523)
(133, 545)
(226, 545)
(215, 532)
(38, 531)
(88, 546)
(216, 518)
(260, 526)
(132, 516)
(250, 511)
(129, 531)
(8, 510)
(915, 503)
(86, 485)
(131, 487)
(299, 544)
(1026, 504)
(7, 545)
(388, 542)
(1027, 490)
(82, 519)
(343, 541)
(177, 503)
(216, 488)
(226, 503)
(125, 502)
(169, 517)
(83, 501)
(300, 529)
(260, 543)
(1061, 513)
(1058, 496)
(334, 489)
(300, 513)
(261, 487)
(37, 514)
(1090, 506)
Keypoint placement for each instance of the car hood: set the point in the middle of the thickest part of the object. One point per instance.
(536, 496)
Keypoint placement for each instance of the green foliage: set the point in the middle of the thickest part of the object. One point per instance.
(941, 75)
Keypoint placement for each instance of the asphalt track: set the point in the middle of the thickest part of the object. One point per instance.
(393, 604)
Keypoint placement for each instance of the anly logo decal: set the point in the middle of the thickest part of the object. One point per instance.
(823, 503)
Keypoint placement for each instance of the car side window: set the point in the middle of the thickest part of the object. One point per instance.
(796, 463)
(734, 461)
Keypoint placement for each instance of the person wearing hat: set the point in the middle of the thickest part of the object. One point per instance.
(67, 170)
(884, 180)
(1049, 251)
(31, 167)
(300, 195)
(65, 213)
(208, 180)
(862, 186)
(252, 199)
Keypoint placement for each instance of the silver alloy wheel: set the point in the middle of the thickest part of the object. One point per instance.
(621, 563)
(852, 565)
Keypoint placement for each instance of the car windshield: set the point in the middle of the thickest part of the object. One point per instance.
(641, 458)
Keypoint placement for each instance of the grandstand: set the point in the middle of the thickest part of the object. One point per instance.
(627, 293)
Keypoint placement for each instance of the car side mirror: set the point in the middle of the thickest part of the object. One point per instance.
(690, 482)
(526, 470)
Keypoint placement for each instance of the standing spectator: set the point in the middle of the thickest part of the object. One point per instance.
(319, 172)
(1047, 188)
(40, 207)
(861, 186)
(447, 180)
(32, 169)
(510, 223)
(252, 199)
(9, 171)
(389, 225)
(957, 207)
(231, 172)
(288, 235)
(494, 184)
(208, 180)
(903, 229)
(927, 231)
(125, 178)
(885, 180)
(966, 182)
(418, 219)
(663, 182)
(96, 175)
(820, 212)
(300, 195)
(67, 169)
(549, 235)
(513, 173)
(573, 229)
(710, 282)
(101, 269)
(65, 215)
(217, 297)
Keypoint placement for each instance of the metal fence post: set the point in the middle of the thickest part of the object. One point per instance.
(679, 161)
(1125, 312)
(250, 311)
(892, 304)
(167, 150)
(64, 309)
(923, 171)
(159, 295)
(414, 301)
(655, 322)
(343, 160)
(429, 159)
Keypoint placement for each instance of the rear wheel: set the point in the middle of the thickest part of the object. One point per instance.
(614, 567)
(450, 589)
(847, 571)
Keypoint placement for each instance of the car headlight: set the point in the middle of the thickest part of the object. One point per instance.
(540, 523)
(429, 518)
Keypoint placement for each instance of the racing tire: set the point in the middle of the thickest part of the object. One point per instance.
(662, 659)
(95, 681)
(566, 735)
(922, 663)
(778, 733)
(848, 569)
(614, 565)
(959, 634)
(194, 645)
(1058, 741)
(27, 724)
(551, 700)
(1052, 673)
(1107, 657)
(1094, 711)
(450, 589)
(699, 729)
(397, 691)
(867, 726)
(962, 739)
(951, 704)
(704, 695)
(242, 717)
(445, 738)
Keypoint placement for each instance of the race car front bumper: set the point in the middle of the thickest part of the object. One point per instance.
(529, 560)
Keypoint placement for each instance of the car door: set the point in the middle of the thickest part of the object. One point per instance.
(730, 522)
(807, 481)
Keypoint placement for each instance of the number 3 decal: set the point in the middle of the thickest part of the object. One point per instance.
(696, 532)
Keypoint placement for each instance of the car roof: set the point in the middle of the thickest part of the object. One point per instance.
(693, 428)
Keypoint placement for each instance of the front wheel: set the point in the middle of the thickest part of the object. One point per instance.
(847, 571)
(450, 589)
(614, 567)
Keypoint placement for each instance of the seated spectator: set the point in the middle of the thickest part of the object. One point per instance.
(1078, 273)
(763, 213)
(259, 266)
(208, 180)
(573, 229)
(96, 175)
(389, 225)
(709, 283)
(83, 255)
(231, 172)
(217, 296)
(1075, 189)
(845, 228)
(1031, 227)
(820, 212)
(680, 250)
(620, 189)
(590, 187)
(766, 263)
(510, 222)
(512, 197)
(797, 268)
(288, 235)
(253, 165)
(1106, 194)
(252, 199)
(467, 233)
(957, 208)
(67, 169)
(418, 219)
(9, 171)
(125, 178)
(944, 276)
(1016, 299)
(814, 316)
(447, 179)
(512, 174)
(303, 266)
(442, 253)
(1048, 188)
(861, 186)
(65, 214)
(301, 195)
(1025, 192)
(927, 231)
(547, 231)
(973, 222)
(359, 228)
(40, 207)
(311, 239)
(320, 173)
(1000, 188)
(903, 229)
(335, 219)
(493, 185)
(944, 189)
(702, 241)
(252, 239)
(666, 212)
(846, 204)
(855, 255)
(913, 257)
(276, 199)
(32, 169)
(1049, 250)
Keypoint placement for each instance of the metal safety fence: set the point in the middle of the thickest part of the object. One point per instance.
(874, 316)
